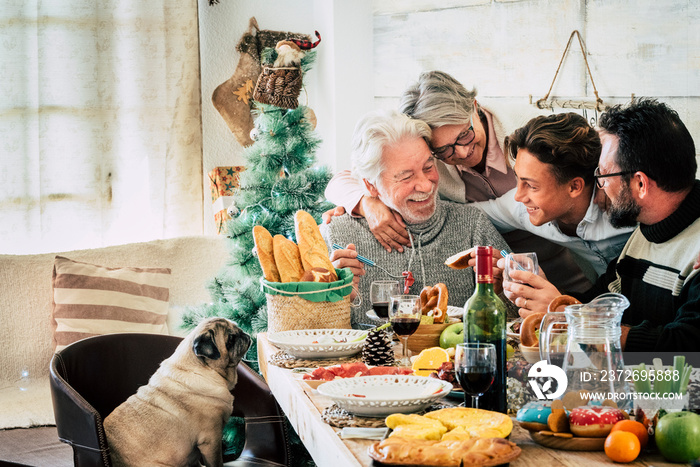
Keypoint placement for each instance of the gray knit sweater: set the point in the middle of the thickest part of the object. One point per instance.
(453, 228)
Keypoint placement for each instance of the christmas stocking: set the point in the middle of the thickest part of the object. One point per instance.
(234, 97)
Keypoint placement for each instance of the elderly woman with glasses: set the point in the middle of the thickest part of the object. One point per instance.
(468, 142)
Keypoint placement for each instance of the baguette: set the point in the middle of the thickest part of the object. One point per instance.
(266, 256)
(312, 247)
(287, 259)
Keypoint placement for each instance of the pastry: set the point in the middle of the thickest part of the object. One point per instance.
(533, 415)
(415, 427)
(477, 422)
(473, 452)
(319, 275)
(287, 259)
(562, 301)
(459, 260)
(558, 420)
(594, 422)
(263, 246)
(528, 328)
(434, 299)
(312, 247)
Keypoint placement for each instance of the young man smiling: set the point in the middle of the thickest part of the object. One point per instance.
(647, 169)
(555, 158)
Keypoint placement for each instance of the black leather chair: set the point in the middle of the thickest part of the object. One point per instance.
(91, 377)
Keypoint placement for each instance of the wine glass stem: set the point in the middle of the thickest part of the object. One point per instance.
(475, 402)
(404, 340)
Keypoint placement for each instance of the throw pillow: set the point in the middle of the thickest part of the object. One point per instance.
(90, 300)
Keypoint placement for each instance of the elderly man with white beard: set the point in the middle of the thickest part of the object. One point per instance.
(392, 158)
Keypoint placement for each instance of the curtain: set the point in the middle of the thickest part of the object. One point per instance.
(100, 129)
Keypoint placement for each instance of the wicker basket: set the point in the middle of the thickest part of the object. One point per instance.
(295, 313)
(294, 306)
(427, 335)
(279, 86)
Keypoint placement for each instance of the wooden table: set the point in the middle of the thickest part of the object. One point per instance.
(303, 406)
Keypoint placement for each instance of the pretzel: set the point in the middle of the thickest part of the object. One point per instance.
(560, 302)
(435, 299)
(528, 338)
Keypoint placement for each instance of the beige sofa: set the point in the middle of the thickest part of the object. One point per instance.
(26, 332)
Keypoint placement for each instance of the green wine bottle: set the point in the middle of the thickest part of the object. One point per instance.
(485, 322)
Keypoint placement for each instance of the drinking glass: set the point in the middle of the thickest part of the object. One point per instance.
(404, 314)
(379, 294)
(522, 262)
(475, 369)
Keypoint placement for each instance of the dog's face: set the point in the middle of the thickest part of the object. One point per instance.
(220, 344)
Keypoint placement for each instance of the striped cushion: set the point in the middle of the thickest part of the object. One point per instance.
(89, 300)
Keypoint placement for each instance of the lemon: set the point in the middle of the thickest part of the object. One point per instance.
(429, 360)
(509, 351)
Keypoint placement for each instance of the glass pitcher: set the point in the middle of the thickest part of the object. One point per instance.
(593, 357)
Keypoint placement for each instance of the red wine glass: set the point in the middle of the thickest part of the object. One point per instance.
(404, 315)
(379, 294)
(475, 369)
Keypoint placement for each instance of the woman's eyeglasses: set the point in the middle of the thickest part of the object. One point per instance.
(464, 139)
(599, 179)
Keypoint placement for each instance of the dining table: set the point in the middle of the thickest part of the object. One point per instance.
(304, 407)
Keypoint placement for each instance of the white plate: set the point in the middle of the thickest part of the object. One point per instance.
(455, 312)
(319, 343)
(379, 396)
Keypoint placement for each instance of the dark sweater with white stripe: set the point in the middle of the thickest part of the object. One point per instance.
(655, 272)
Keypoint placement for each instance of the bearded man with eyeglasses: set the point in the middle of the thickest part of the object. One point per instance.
(648, 170)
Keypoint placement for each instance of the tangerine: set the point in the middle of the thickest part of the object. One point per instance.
(622, 446)
(429, 360)
(633, 427)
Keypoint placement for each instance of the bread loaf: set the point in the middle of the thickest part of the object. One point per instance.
(473, 452)
(287, 259)
(312, 247)
(266, 256)
(319, 275)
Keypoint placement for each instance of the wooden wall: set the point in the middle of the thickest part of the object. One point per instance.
(510, 49)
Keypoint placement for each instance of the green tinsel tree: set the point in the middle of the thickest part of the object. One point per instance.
(280, 178)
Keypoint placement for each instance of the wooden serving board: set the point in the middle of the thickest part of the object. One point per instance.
(568, 444)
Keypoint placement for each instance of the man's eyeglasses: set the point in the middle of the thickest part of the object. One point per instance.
(599, 178)
(464, 139)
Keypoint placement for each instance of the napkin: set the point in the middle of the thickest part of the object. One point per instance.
(365, 433)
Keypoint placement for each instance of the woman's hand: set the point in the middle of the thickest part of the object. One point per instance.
(387, 225)
(331, 213)
(347, 258)
(533, 295)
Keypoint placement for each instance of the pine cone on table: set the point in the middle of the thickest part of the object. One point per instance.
(377, 349)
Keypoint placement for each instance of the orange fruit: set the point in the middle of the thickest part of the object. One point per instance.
(429, 360)
(622, 446)
(633, 427)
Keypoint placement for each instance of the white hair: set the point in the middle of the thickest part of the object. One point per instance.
(374, 132)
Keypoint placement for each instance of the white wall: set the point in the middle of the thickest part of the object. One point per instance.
(335, 93)
(510, 49)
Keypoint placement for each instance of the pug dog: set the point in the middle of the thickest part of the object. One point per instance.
(177, 419)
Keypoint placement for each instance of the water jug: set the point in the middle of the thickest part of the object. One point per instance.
(593, 356)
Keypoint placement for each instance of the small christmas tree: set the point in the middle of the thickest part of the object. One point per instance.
(280, 178)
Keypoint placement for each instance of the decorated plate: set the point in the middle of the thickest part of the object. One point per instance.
(319, 343)
(379, 396)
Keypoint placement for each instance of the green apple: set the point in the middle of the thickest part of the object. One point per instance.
(452, 335)
(678, 436)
